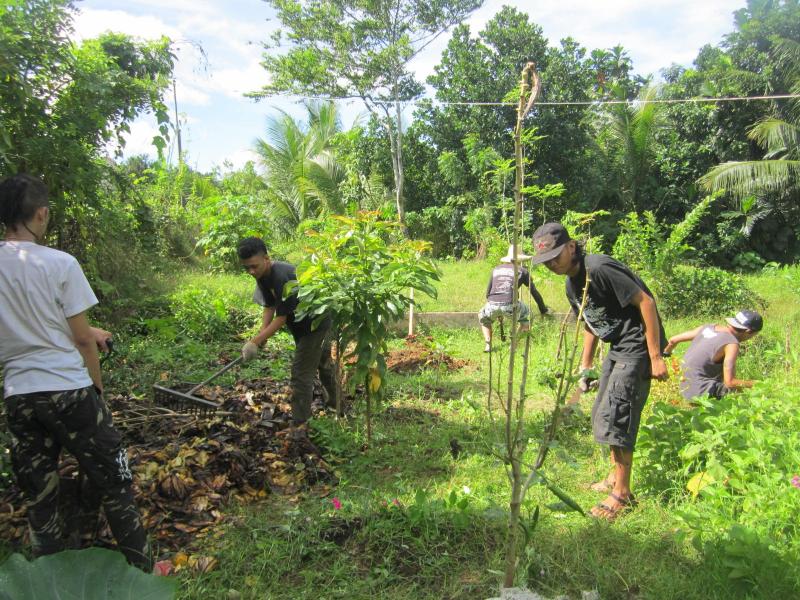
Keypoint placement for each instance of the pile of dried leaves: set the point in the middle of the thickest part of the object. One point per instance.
(187, 467)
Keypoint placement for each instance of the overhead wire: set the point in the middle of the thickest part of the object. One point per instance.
(567, 102)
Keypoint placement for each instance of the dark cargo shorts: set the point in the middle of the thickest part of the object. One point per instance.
(621, 396)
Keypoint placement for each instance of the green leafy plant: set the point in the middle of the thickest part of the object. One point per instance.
(362, 279)
(659, 255)
(227, 219)
(206, 315)
(510, 403)
(703, 291)
(425, 509)
(735, 459)
(91, 574)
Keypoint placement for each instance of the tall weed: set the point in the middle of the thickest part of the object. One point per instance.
(209, 315)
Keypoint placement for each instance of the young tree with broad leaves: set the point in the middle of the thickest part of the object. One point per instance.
(358, 49)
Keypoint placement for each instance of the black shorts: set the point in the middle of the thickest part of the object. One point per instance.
(621, 396)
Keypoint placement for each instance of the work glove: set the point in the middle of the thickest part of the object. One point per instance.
(587, 380)
(249, 352)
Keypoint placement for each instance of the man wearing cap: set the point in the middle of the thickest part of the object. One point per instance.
(500, 295)
(709, 365)
(621, 311)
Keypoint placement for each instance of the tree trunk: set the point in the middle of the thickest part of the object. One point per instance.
(399, 172)
(369, 409)
(513, 524)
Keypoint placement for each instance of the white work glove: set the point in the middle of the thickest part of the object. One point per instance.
(249, 352)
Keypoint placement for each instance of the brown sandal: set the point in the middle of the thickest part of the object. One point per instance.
(611, 513)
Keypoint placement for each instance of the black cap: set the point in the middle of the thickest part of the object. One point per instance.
(548, 241)
(746, 319)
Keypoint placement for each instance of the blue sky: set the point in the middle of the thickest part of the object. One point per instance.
(219, 124)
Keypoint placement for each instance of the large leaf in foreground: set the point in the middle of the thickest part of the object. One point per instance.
(91, 574)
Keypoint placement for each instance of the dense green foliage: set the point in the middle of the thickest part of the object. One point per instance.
(620, 158)
(664, 260)
(737, 456)
(61, 105)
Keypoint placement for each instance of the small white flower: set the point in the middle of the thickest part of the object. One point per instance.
(466, 489)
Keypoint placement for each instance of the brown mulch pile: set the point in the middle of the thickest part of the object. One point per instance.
(187, 467)
(420, 354)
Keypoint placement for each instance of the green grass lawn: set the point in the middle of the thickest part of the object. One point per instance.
(418, 521)
(423, 510)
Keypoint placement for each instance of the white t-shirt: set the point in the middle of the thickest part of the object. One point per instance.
(40, 288)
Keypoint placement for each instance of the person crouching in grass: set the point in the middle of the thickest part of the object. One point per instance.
(709, 365)
(621, 311)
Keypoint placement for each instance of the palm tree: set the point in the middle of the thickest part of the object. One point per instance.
(302, 172)
(775, 179)
(634, 126)
(777, 172)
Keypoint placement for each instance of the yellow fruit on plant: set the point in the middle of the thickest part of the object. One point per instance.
(374, 380)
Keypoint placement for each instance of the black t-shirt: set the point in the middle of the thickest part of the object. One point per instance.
(609, 313)
(500, 289)
(269, 293)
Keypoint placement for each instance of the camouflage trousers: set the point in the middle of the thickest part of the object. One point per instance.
(79, 421)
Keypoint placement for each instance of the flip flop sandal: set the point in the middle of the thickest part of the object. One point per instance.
(625, 504)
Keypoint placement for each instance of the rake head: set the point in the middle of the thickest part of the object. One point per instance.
(183, 402)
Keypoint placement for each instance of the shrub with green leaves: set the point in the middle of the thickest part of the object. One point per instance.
(734, 461)
(227, 219)
(659, 256)
(208, 314)
(360, 271)
(703, 291)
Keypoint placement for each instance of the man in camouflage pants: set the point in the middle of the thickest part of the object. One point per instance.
(52, 382)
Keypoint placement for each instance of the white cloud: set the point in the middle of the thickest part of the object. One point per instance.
(234, 82)
(240, 157)
(189, 93)
(140, 139)
(92, 22)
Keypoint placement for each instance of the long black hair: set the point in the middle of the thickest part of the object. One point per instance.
(20, 197)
